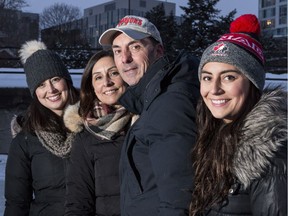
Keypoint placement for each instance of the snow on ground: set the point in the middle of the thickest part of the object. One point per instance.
(12, 77)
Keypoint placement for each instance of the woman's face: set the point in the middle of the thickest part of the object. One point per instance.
(224, 90)
(107, 82)
(53, 94)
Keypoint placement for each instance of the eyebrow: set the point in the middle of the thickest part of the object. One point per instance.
(109, 69)
(222, 72)
(131, 42)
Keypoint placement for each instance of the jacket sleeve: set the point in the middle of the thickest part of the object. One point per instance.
(172, 137)
(18, 180)
(269, 194)
(80, 189)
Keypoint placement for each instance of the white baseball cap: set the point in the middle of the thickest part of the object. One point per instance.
(133, 26)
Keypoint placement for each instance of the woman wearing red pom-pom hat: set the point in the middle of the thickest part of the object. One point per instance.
(240, 157)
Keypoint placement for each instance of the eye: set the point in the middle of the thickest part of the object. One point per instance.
(42, 85)
(116, 51)
(135, 47)
(114, 73)
(55, 79)
(97, 78)
(229, 78)
(206, 78)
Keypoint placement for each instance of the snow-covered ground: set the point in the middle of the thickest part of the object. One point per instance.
(11, 77)
(14, 77)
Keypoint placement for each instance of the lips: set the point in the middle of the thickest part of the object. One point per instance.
(54, 98)
(219, 102)
(110, 92)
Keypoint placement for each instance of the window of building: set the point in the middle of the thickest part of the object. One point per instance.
(282, 31)
(142, 4)
(267, 3)
(268, 13)
(96, 23)
(283, 14)
(110, 7)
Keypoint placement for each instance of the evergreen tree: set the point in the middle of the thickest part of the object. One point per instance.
(202, 25)
(167, 28)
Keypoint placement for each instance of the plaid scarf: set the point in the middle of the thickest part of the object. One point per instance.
(109, 120)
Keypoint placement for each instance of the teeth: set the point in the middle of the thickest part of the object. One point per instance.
(218, 101)
(109, 92)
(54, 98)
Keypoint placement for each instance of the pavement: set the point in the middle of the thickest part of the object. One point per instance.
(3, 158)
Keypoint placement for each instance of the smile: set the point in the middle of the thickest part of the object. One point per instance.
(219, 102)
(110, 92)
(54, 98)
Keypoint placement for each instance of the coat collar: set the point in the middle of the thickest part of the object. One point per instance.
(133, 99)
(264, 131)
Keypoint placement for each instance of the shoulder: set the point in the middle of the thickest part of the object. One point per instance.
(263, 140)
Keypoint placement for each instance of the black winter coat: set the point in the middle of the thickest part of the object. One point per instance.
(92, 171)
(260, 163)
(34, 179)
(155, 168)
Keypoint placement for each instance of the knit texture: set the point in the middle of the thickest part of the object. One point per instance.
(43, 65)
(244, 61)
(56, 143)
(241, 49)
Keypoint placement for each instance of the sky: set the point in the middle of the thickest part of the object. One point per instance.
(242, 6)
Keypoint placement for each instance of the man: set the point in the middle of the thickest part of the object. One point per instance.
(155, 167)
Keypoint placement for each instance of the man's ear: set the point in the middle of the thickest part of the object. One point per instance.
(159, 50)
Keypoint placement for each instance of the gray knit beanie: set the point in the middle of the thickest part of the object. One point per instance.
(240, 49)
(41, 64)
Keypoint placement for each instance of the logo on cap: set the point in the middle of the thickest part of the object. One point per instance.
(220, 50)
(129, 20)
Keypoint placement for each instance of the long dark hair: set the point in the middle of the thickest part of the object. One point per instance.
(38, 117)
(213, 155)
(87, 95)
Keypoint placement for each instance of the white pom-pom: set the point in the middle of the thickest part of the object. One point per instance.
(29, 48)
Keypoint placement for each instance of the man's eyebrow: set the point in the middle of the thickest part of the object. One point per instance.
(131, 42)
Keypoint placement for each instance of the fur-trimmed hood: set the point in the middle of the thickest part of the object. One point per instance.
(265, 129)
(72, 119)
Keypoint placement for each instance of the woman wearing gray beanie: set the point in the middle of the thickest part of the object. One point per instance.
(35, 170)
(240, 156)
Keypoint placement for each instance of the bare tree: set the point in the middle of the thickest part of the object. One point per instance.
(13, 4)
(57, 14)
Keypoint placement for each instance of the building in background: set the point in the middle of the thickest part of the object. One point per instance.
(99, 18)
(273, 17)
(16, 27)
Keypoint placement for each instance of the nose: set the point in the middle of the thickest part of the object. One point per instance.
(126, 56)
(108, 82)
(50, 87)
(216, 88)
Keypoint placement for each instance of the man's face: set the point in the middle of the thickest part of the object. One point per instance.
(132, 57)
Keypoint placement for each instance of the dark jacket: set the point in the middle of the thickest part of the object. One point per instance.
(92, 171)
(155, 167)
(260, 164)
(34, 179)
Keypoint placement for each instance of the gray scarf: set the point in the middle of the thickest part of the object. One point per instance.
(56, 143)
